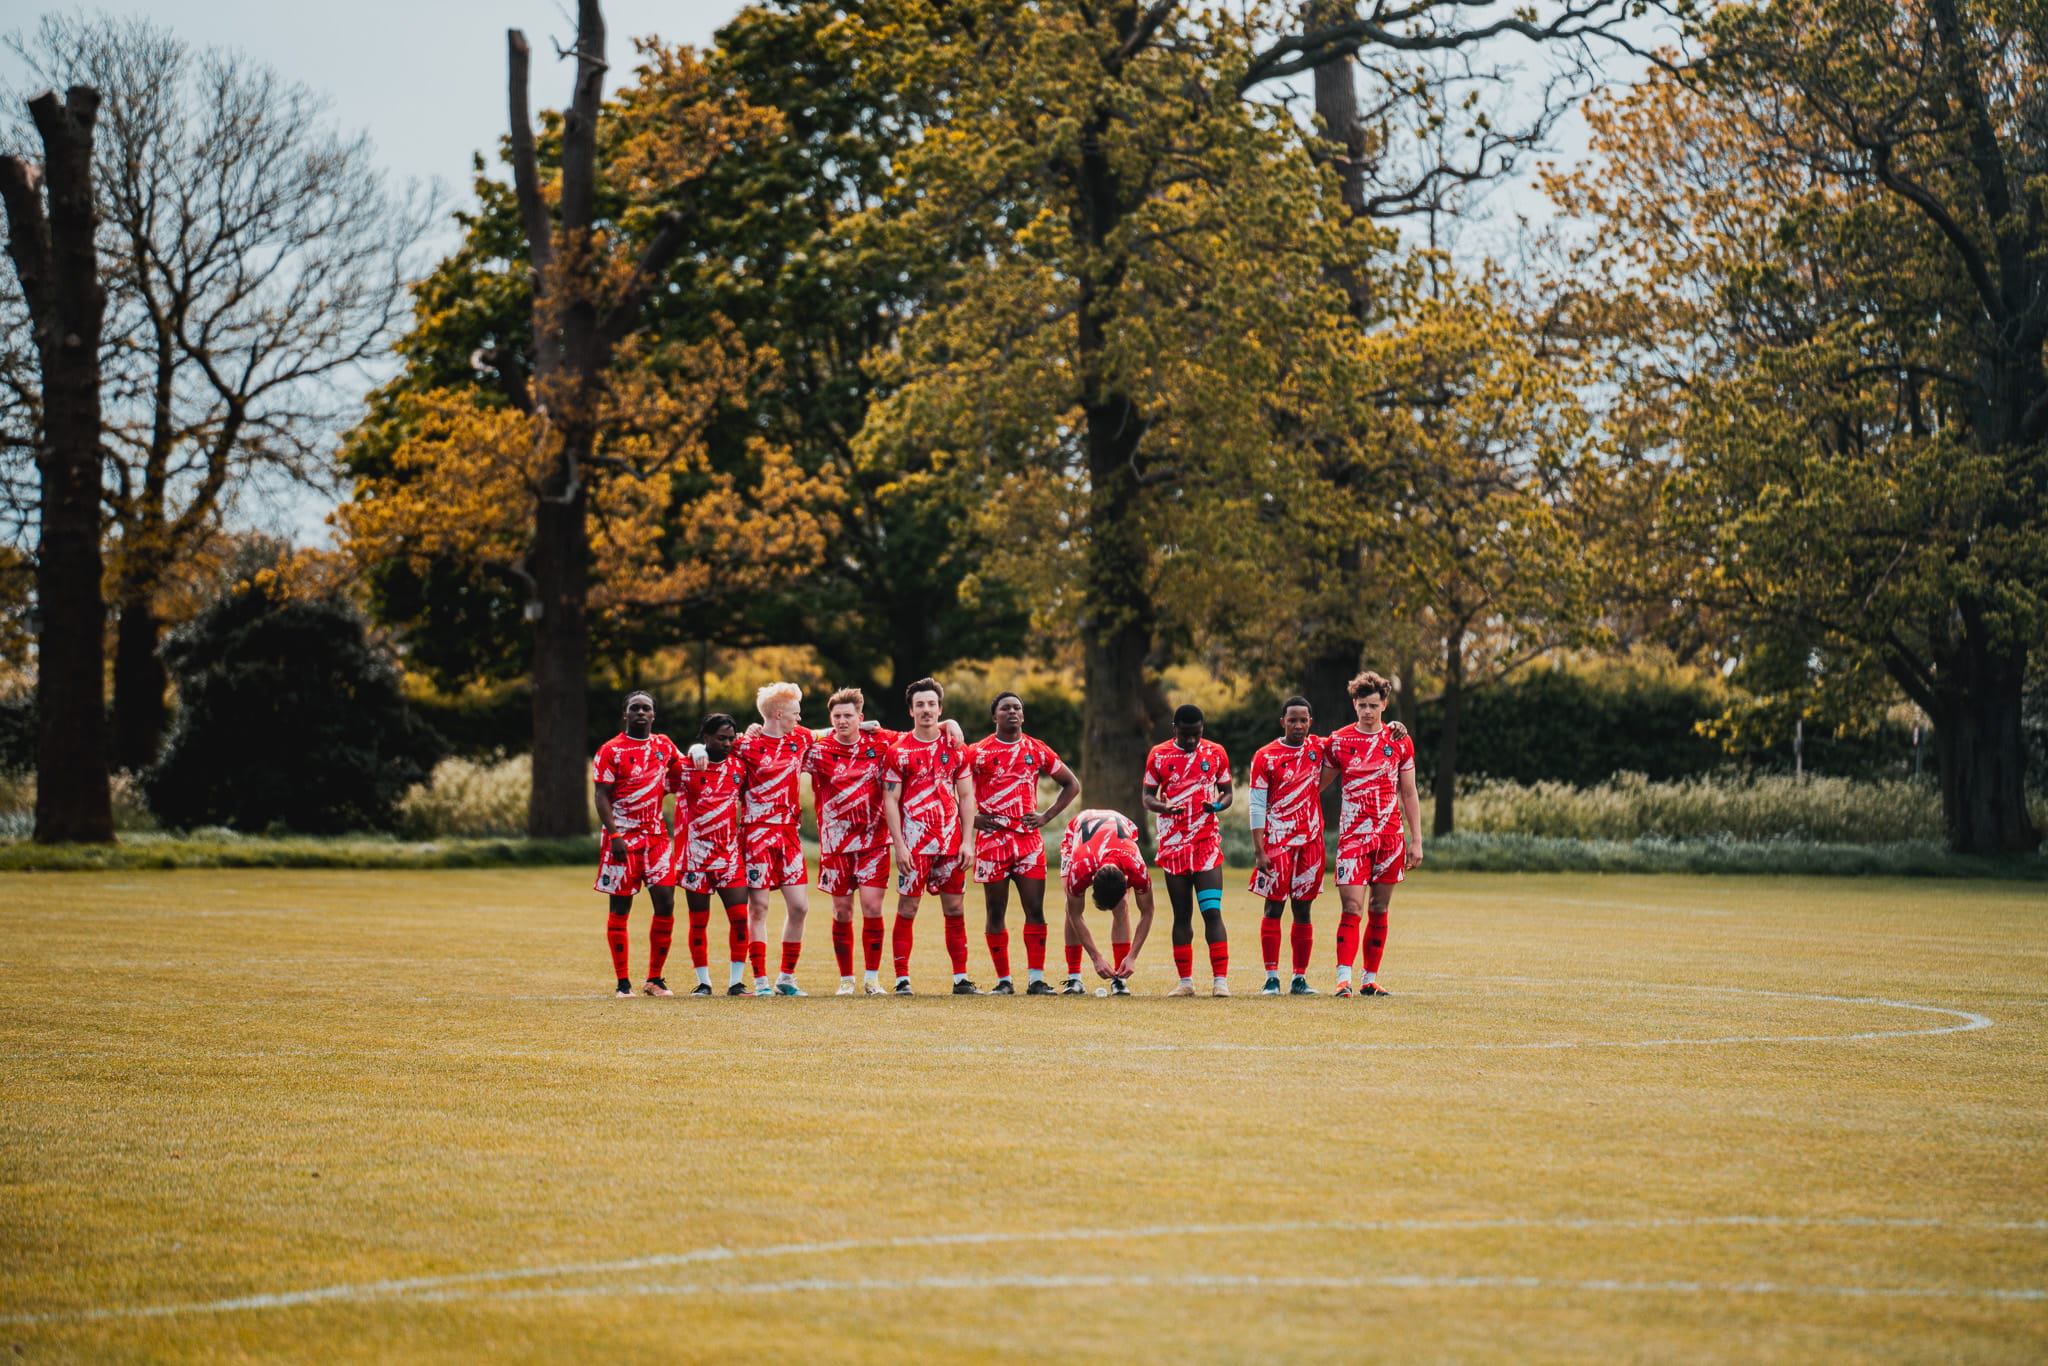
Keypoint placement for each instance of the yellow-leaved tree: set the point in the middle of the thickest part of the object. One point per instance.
(580, 469)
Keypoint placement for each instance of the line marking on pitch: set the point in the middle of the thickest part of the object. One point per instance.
(451, 1286)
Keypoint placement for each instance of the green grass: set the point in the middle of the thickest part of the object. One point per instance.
(1605, 1118)
(226, 849)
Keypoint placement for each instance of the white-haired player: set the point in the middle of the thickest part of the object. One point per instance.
(769, 761)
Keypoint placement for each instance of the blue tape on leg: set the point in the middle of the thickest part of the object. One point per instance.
(1210, 899)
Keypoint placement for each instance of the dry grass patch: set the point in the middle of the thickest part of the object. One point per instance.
(376, 1115)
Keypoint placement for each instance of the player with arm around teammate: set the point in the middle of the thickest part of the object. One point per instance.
(1187, 782)
(1008, 846)
(770, 760)
(708, 831)
(1099, 860)
(1285, 792)
(853, 839)
(631, 773)
(1375, 762)
(928, 801)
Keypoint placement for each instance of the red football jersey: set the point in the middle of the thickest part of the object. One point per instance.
(1291, 776)
(768, 769)
(1371, 767)
(708, 812)
(641, 772)
(1095, 839)
(1187, 778)
(846, 785)
(927, 772)
(1006, 776)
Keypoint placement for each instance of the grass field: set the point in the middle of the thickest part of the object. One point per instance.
(371, 1115)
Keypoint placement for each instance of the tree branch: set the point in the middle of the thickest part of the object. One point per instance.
(533, 210)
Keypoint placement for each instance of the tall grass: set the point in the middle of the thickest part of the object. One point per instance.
(463, 798)
(1629, 807)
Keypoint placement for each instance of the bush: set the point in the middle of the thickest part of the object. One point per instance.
(467, 798)
(289, 718)
(1837, 810)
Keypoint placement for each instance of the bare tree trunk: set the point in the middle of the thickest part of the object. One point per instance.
(1977, 702)
(559, 805)
(139, 683)
(568, 356)
(57, 259)
(1447, 744)
(1325, 682)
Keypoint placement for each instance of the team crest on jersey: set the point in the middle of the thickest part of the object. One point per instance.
(1387, 750)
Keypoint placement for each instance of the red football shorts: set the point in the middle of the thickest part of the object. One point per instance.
(709, 867)
(1198, 855)
(774, 856)
(839, 874)
(1296, 874)
(1375, 861)
(938, 874)
(998, 858)
(649, 862)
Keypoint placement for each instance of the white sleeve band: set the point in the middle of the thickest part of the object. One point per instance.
(1258, 808)
(697, 752)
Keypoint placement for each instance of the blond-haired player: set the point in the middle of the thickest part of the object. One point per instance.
(769, 761)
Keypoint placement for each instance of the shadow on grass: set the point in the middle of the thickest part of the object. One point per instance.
(208, 850)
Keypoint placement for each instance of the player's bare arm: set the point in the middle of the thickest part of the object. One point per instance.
(1078, 932)
(607, 822)
(963, 798)
(1141, 895)
(1411, 812)
(1069, 793)
(892, 814)
(1157, 807)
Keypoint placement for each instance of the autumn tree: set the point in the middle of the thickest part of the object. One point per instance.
(1138, 299)
(52, 240)
(253, 260)
(587, 451)
(1825, 236)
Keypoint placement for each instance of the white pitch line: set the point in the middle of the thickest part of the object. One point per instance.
(1967, 1021)
(815, 1285)
(448, 1286)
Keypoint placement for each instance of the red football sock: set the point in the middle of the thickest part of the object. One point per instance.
(1184, 960)
(757, 954)
(871, 941)
(792, 949)
(1034, 947)
(906, 929)
(700, 937)
(1304, 944)
(1219, 959)
(660, 934)
(842, 946)
(615, 935)
(1118, 952)
(1269, 942)
(1375, 939)
(1073, 960)
(999, 952)
(956, 941)
(736, 932)
(1347, 938)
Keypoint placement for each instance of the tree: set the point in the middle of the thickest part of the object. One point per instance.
(1832, 230)
(253, 261)
(591, 443)
(55, 255)
(262, 664)
(1138, 293)
(1492, 461)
